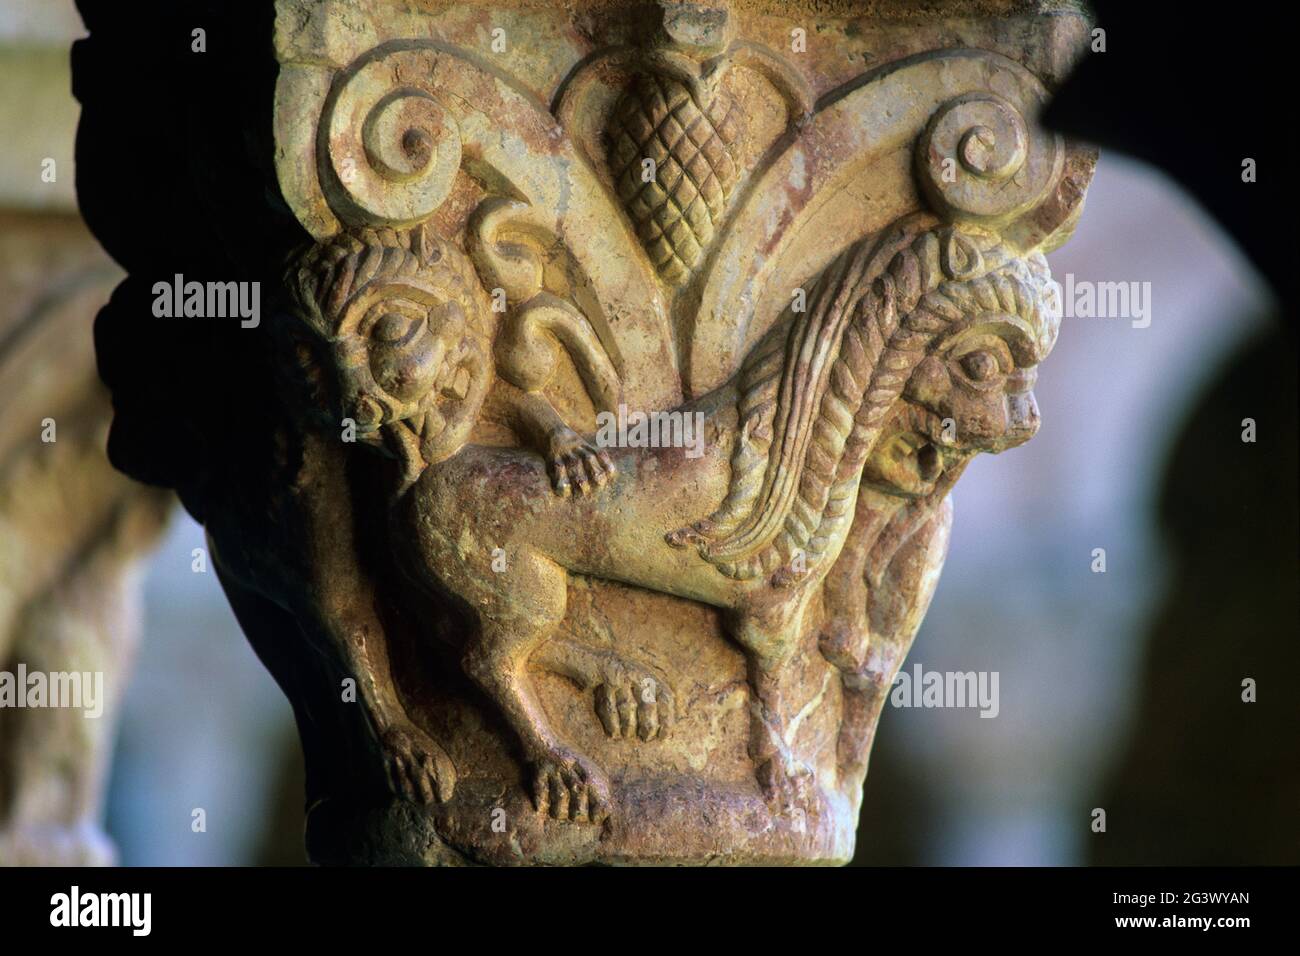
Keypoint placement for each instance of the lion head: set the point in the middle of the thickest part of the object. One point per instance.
(972, 390)
(394, 337)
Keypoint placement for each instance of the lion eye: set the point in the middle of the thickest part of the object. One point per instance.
(393, 328)
(980, 366)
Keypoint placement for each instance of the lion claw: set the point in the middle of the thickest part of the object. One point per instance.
(788, 790)
(569, 788)
(578, 465)
(635, 705)
(417, 769)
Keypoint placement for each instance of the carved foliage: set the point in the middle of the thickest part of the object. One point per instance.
(672, 152)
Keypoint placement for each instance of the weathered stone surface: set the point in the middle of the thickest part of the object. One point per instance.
(824, 280)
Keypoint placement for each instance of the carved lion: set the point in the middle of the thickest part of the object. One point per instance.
(917, 350)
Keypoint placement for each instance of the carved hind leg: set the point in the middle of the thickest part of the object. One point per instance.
(770, 637)
(515, 619)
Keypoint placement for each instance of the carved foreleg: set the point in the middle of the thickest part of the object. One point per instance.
(843, 640)
(514, 622)
(416, 767)
(527, 356)
(901, 577)
(334, 601)
(576, 466)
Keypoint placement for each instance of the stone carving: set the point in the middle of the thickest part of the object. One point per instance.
(672, 151)
(570, 649)
(675, 133)
(74, 533)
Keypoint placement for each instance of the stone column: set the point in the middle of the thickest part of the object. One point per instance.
(72, 529)
(600, 477)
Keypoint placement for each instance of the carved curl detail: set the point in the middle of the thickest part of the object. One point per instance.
(977, 159)
(388, 153)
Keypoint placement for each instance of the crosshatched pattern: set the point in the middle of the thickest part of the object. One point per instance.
(692, 140)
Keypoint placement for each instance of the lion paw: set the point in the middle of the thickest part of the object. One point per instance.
(571, 788)
(417, 769)
(787, 788)
(634, 704)
(696, 534)
(577, 466)
(843, 643)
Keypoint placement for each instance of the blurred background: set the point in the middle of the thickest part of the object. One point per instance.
(1118, 690)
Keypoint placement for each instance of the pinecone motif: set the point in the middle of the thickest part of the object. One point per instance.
(694, 147)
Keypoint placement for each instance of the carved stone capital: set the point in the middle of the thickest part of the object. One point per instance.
(622, 386)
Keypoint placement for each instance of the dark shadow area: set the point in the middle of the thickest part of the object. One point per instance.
(1207, 777)
(1195, 92)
